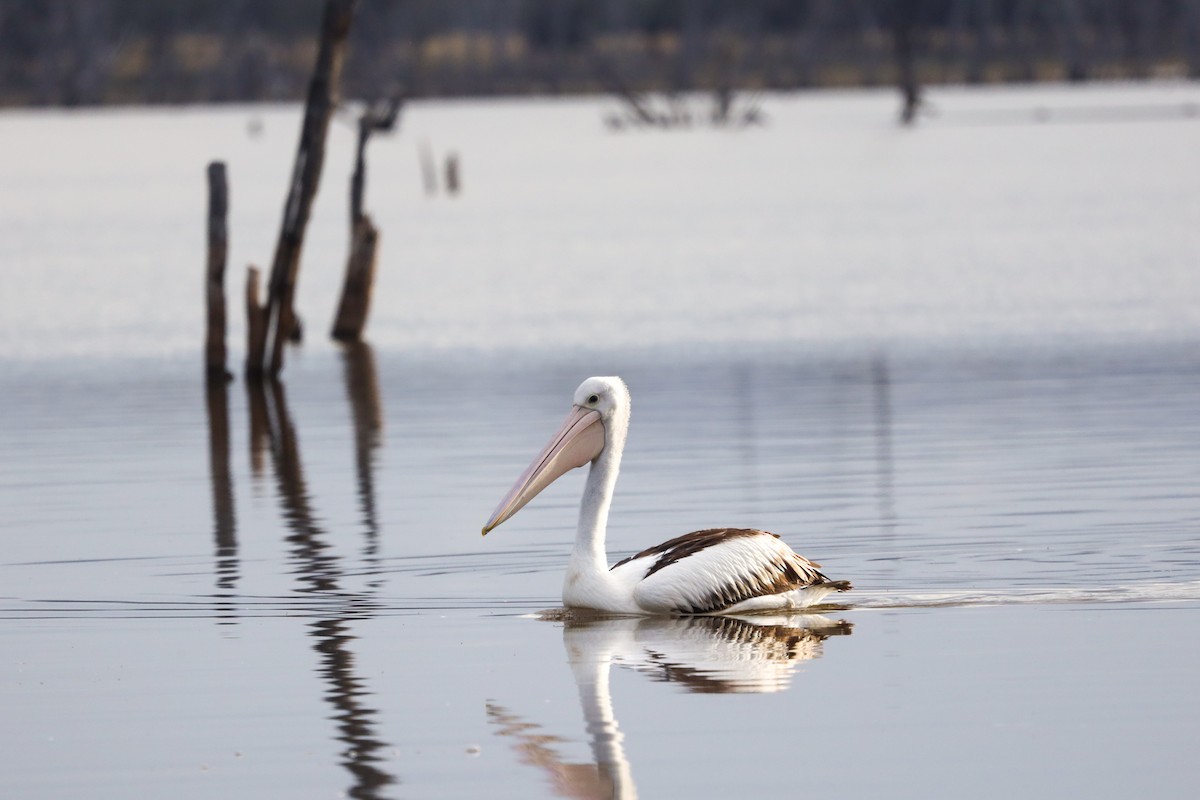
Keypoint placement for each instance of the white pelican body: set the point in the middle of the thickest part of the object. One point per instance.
(717, 571)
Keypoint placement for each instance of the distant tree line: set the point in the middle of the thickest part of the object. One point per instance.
(84, 52)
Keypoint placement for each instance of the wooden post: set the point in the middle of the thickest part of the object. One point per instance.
(452, 174)
(428, 167)
(306, 175)
(218, 248)
(256, 325)
(360, 278)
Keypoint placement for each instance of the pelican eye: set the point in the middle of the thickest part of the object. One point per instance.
(593, 400)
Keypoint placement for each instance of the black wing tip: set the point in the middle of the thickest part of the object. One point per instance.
(837, 586)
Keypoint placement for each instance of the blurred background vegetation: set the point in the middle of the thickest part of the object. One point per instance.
(90, 52)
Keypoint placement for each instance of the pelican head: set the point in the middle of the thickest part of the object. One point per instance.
(598, 418)
(609, 396)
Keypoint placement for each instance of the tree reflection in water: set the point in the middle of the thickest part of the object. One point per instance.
(314, 561)
(362, 392)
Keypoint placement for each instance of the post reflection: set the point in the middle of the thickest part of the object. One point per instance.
(362, 391)
(313, 559)
(256, 403)
(363, 755)
(320, 570)
(221, 481)
(707, 655)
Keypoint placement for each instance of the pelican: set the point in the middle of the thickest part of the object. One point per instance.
(715, 571)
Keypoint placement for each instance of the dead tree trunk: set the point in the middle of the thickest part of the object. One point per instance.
(310, 157)
(218, 248)
(352, 311)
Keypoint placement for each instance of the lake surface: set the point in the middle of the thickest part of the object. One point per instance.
(957, 365)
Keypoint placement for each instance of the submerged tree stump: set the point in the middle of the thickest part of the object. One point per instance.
(218, 249)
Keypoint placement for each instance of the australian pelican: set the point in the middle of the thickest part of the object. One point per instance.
(718, 571)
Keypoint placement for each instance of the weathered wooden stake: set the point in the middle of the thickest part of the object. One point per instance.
(256, 325)
(218, 248)
(306, 176)
(352, 311)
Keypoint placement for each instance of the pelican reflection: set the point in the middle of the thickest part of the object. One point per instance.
(707, 655)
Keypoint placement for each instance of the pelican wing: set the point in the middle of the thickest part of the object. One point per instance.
(711, 570)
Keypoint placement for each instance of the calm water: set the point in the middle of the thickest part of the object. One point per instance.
(956, 365)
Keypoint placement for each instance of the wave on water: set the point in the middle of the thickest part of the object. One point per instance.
(1151, 592)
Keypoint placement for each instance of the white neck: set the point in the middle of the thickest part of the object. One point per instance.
(593, 511)
(588, 581)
